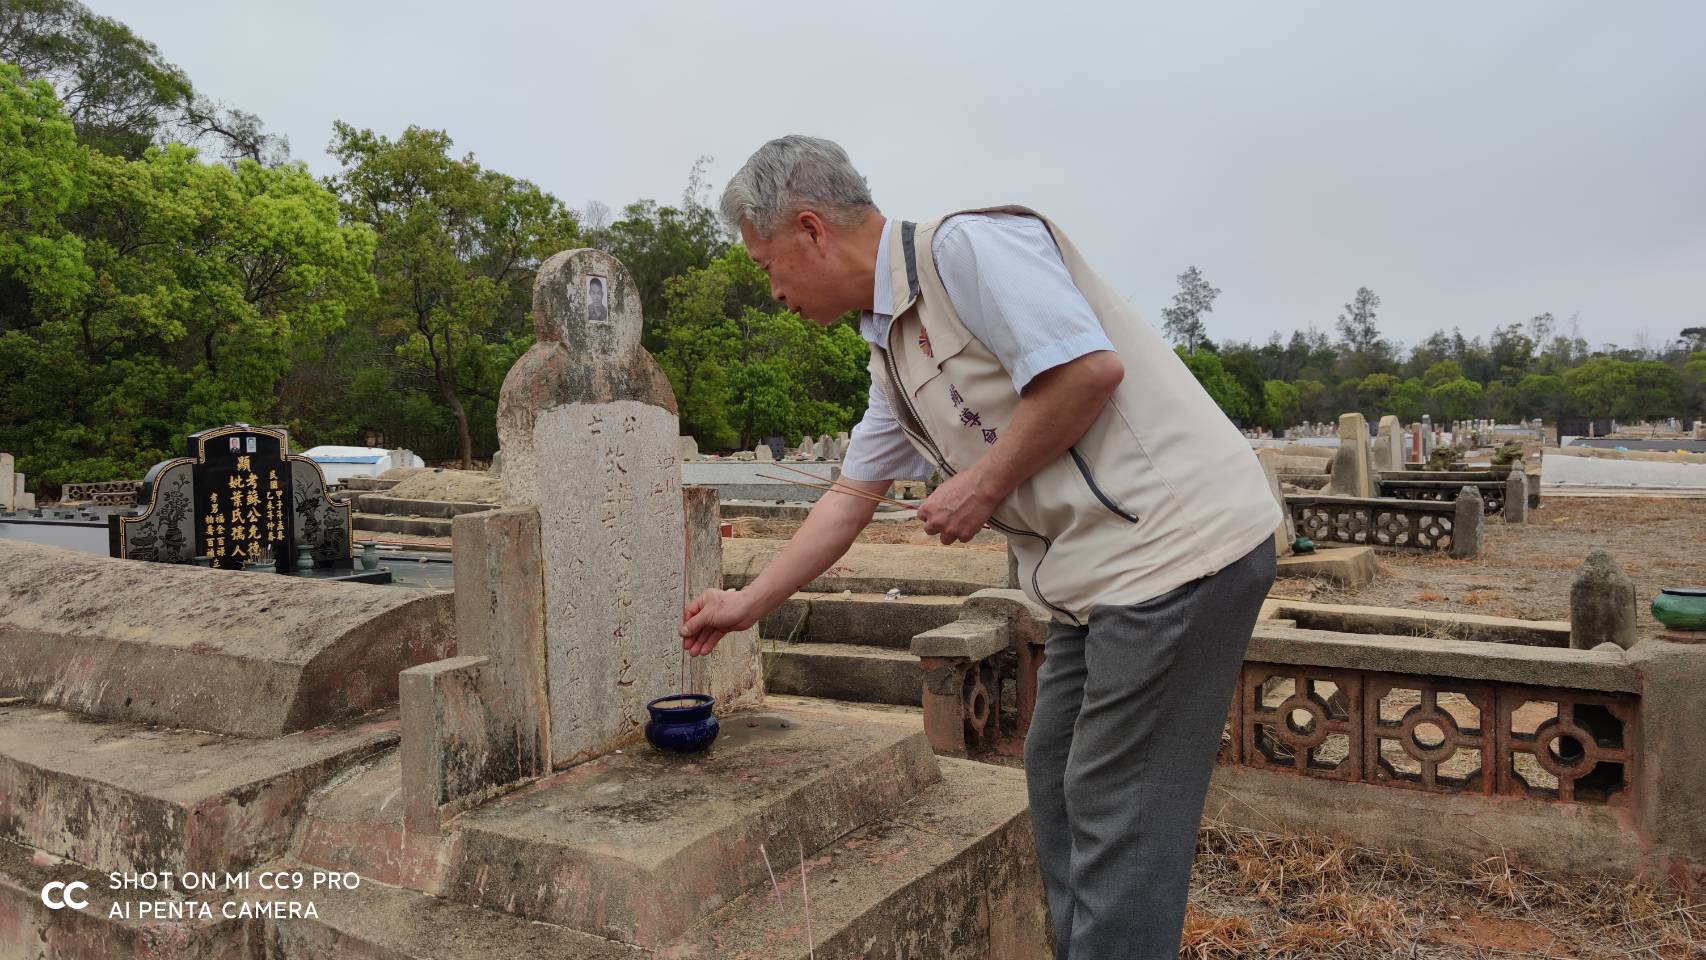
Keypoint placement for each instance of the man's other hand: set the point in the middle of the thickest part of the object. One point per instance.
(710, 616)
(958, 509)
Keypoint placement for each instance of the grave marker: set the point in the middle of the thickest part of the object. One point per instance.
(239, 497)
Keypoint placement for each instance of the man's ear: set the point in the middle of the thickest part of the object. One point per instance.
(816, 233)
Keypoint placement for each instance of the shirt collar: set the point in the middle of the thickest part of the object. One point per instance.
(874, 323)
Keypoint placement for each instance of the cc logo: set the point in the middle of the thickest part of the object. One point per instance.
(58, 895)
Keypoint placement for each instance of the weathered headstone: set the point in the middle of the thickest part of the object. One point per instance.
(1283, 534)
(1602, 604)
(1351, 474)
(762, 453)
(239, 497)
(1428, 438)
(1516, 494)
(1466, 521)
(8, 490)
(1389, 445)
(587, 422)
(686, 448)
(497, 467)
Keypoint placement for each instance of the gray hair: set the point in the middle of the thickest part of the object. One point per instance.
(793, 173)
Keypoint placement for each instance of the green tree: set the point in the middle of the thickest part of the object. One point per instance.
(1409, 400)
(1455, 399)
(1543, 396)
(1184, 319)
(1598, 386)
(43, 176)
(1283, 405)
(457, 248)
(1656, 390)
(1359, 336)
(1441, 372)
(1220, 385)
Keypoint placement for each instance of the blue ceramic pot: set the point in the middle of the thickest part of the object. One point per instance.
(682, 723)
(1681, 608)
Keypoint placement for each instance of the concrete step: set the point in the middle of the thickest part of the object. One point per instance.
(951, 875)
(113, 925)
(416, 526)
(862, 618)
(129, 797)
(638, 846)
(434, 509)
(843, 671)
(376, 922)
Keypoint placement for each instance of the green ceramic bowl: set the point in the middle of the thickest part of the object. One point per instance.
(1681, 608)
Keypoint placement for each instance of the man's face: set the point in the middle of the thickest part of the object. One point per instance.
(796, 258)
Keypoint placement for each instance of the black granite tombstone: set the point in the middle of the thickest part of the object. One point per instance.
(240, 498)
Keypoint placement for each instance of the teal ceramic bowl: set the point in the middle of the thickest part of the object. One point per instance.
(1681, 608)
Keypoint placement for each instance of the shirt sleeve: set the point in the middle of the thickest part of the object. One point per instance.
(1006, 279)
(878, 449)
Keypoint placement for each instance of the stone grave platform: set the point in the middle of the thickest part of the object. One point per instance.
(662, 853)
(245, 654)
(129, 797)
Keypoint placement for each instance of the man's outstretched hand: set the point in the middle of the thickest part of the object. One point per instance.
(710, 616)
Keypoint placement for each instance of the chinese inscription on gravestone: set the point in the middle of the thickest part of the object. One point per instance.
(239, 498)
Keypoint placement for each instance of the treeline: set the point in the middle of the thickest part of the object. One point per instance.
(164, 267)
(1534, 368)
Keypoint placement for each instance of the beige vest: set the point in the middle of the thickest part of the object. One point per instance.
(1161, 490)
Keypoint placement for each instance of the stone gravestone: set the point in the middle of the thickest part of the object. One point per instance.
(22, 499)
(1389, 445)
(762, 452)
(588, 426)
(239, 497)
(8, 495)
(1285, 533)
(686, 448)
(1351, 476)
(1602, 604)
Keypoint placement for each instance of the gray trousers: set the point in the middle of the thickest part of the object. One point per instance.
(1128, 720)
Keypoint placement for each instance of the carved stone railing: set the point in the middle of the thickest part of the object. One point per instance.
(1497, 487)
(108, 493)
(980, 674)
(1452, 527)
(1535, 731)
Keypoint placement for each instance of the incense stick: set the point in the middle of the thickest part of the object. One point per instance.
(833, 487)
(845, 489)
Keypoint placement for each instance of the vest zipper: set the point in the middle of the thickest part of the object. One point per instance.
(923, 437)
(1084, 468)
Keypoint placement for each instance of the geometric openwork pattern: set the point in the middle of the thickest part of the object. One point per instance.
(1425, 525)
(1492, 494)
(1435, 734)
(1302, 719)
(1429, 735)
(1567, 745)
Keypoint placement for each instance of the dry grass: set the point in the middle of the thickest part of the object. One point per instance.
(1427, 595)
(1267, 895)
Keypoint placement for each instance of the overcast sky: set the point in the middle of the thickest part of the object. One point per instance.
(1474, 163)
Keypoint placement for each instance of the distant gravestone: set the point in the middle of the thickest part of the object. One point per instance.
(239, 497)
(763, 453)
(686, 448)
(1284, 534)
(778, 449)
(588, 426)
(1389, 445)
(8, 486)
(1350, 475)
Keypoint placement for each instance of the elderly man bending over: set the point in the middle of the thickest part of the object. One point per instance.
(1139, 515)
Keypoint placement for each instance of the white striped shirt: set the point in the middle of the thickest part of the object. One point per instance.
(1009, 286)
